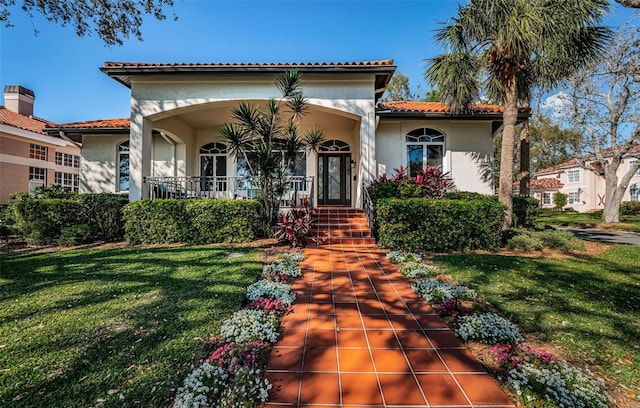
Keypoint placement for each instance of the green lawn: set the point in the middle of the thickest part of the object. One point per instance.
(588, 220)
(114, 327)
(587, 306)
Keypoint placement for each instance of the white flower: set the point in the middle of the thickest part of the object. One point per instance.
(437, 292)
(292, 257)
(270, 289)
(245, 325)
(487, 328)
(401, 256)
(414, 270)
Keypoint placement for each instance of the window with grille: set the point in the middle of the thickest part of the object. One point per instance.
(546, 198)
(634, 193)
(123, 166)
(67, 180)
(68, 160)
(425, 147)
(573, 176)
(573, 198)
(37, 152)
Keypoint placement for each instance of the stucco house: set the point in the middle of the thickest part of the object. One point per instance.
(171, 146)
(585, 189)
(29, 157)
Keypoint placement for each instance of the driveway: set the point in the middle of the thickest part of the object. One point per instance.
(614, 237)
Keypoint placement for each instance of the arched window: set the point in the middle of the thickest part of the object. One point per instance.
(213, 166)
(123, 166)
(334, 145)
(424, 147)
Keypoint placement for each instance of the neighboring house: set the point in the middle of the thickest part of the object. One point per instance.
(171, 145)
(29, 157)
(585, 189)
(542, 189)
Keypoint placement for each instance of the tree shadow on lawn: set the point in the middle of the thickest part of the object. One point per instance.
(588, 305)
(132, 321)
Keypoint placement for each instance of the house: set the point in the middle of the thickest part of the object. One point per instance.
(171, 147)
(585, 189)
(30, 157)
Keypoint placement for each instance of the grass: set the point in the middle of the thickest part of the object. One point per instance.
(587, 306)
(112, 327)
(630, 223)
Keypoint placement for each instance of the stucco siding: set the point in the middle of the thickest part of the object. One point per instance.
(14, 179)
(98, 167)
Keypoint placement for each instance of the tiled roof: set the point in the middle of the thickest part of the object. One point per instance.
(120, 123)
(23, 122)
(387, 62)
(541, 184)
(574, 162)
(433, 107)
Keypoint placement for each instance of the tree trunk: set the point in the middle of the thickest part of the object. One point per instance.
(510, 117)
(525, 161)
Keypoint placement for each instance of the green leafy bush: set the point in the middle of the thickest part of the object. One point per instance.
(223, 220)
(75, 235)
(630, 208)
(103, 213)
(559, 200)
(7, 221)
(191, 221)
(41, 221)
(527, 240)
(525, 211)
(469, 195)
(439, 225)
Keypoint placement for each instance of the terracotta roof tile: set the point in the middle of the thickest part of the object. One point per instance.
(433, 107)
(32, 124)
(110, 64)
(574, 162)
(541, 184)
(120, 123)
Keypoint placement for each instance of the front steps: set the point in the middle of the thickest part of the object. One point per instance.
(340, 225)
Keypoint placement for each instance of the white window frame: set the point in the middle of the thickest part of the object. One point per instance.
(546, 195)
(631, 162)
(67, 160)
(38, 152)
(429, 137)
(572, 172)
(634, 193)
(68, 181)
(119, 155)
(573, 198)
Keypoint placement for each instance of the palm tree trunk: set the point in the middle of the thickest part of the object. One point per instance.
(525, 158)
(510, 117)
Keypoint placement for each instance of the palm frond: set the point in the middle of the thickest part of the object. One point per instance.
(289, 83)
(313, 138)
(455, 75)
(246, 114)
(297, 103)
(235, 136)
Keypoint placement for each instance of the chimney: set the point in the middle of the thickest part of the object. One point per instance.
(19, 99)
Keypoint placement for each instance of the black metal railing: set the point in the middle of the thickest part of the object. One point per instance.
(299, 190)
(368, 208)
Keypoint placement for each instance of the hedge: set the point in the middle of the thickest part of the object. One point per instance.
(191, 221)
(630, 208)
(525, 211)
(440, 225)
(79, 218)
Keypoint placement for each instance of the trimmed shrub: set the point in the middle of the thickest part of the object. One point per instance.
(103, 213)
(191, 221)
(7, 221)
(41, 221)
(559, 200)
(440, 225)
(156, 221)
(562, 240)
(525, 211)
(75, 235)
(469, 195)
(630, 208)
(525, 242)
(223, 220)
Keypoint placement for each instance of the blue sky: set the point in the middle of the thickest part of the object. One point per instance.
(62, 69)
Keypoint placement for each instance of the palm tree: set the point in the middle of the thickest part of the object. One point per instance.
(503, 48)
(267, 140)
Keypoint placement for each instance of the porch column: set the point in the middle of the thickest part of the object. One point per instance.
(140, 146)
(181, 160)
(367, 165)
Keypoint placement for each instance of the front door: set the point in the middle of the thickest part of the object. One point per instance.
(334, 179)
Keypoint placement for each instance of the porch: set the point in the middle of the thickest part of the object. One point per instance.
(299, 190)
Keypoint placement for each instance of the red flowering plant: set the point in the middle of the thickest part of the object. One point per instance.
(453, 307)
(432, 182)
(274, 275)
(295, 227)
(268, 305)
(515, 356)
(233, 356)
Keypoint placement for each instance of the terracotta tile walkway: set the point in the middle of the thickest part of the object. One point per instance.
(359, 336)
